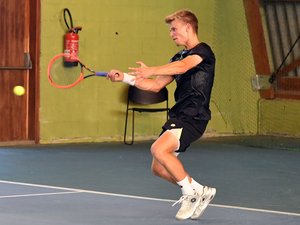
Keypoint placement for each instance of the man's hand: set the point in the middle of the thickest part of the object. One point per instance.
(141, 72)
(115, 75)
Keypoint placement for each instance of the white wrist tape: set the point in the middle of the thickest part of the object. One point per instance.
(129, 79)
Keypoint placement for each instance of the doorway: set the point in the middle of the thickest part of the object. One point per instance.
(19, 65)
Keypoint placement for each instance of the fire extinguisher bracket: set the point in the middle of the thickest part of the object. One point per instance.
(75, 30)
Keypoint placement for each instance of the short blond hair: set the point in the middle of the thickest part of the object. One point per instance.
(186, 16)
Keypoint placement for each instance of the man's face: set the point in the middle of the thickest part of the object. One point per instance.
(178, 32)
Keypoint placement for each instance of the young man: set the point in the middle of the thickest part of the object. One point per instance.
(193, 70)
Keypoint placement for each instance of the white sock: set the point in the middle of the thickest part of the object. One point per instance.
(186, 186)
(196, 186)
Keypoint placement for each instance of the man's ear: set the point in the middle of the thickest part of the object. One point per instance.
(188, 27)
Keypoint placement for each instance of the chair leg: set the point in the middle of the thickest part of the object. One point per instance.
(126, 120)
(132, 126)
(125, 132)
(132, 134)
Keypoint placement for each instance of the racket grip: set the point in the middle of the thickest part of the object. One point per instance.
(101, 74)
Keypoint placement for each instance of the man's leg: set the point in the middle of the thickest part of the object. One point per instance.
(160, 171)
(166, 165)
(163, 150)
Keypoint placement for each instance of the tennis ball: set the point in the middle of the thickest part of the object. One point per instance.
(19, 90)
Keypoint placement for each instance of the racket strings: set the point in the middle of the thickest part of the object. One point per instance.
(64, 75)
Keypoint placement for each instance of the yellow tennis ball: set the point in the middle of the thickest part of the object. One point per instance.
(19, 90)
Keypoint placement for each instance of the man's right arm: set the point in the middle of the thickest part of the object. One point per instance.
(147, 84)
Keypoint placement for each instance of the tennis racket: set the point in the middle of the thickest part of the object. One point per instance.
(62, 76)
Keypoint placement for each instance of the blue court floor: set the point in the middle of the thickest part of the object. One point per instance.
(36, 204)
(112, 184)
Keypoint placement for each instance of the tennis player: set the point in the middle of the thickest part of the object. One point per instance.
(193, 70)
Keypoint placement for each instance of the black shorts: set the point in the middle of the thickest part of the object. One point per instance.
(191, 130)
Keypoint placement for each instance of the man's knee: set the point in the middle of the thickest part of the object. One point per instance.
(156, 151)
(165, 144)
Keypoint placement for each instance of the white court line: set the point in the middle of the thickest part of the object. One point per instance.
(256, 210)
(75, 190)
(85, 191)
(40, 194)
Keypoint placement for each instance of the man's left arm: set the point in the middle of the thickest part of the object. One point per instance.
(170, 69)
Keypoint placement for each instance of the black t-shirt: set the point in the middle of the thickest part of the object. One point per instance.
(193, 91)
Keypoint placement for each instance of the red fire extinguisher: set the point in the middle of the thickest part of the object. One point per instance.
(71, 41)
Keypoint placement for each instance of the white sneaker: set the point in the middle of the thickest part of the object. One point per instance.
(206, 197)
(189, 203)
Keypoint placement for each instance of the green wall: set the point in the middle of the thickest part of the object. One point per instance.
(95, 110)
(234, 102)
(279, 117)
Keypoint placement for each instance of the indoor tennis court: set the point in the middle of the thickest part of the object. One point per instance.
(112, 183)
(78, 152)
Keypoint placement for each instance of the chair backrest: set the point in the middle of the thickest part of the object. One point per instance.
(142, 97)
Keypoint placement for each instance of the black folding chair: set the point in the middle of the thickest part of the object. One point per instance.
(143, 98)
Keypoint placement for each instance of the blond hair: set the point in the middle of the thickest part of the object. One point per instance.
(186, 16)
